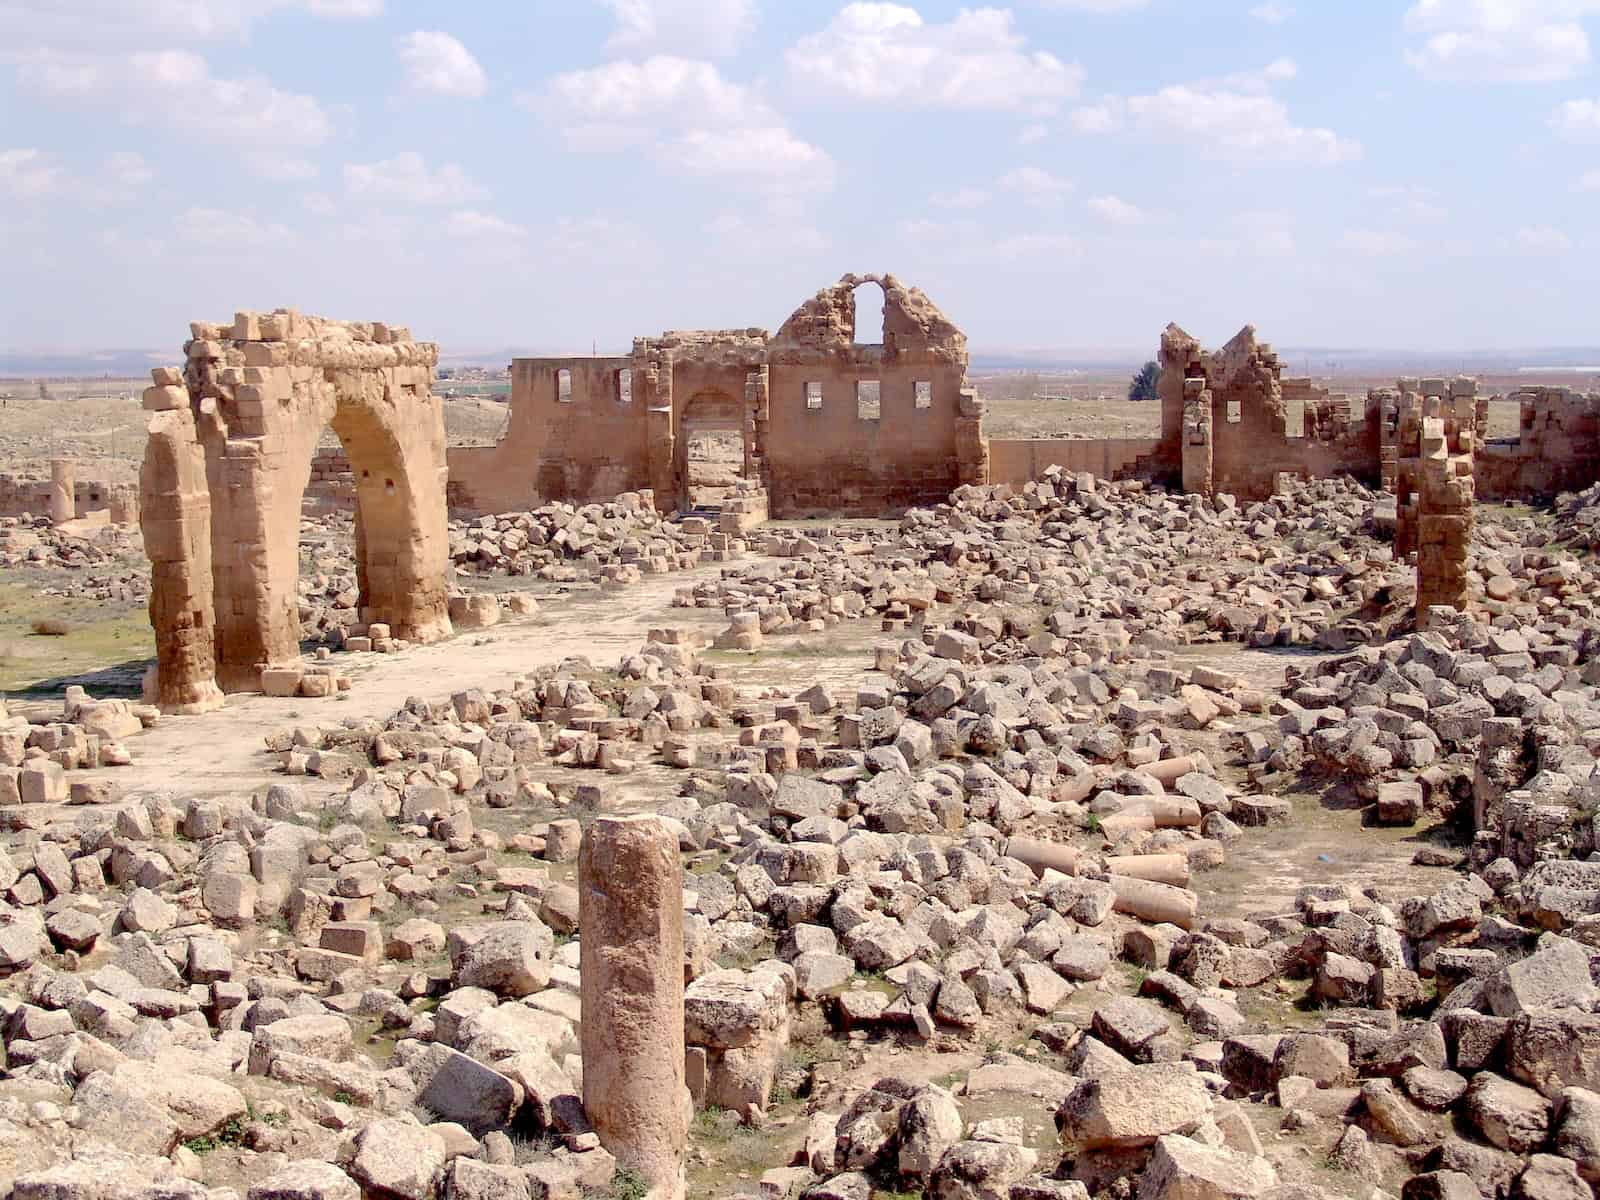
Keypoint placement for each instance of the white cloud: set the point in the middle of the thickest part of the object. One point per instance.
(1589, 181)
(969, 242)
(113, 25)
(406, 178)
(1116, 210)
(470, 223)
(1099, 118)
(715, 28)
(1577, 119)
(768, 151)
(741, 235)
(967, 197)
(1376, 243)
(1411, 202)
(1272, 12)
(318, 204)
(1036, 186)
(129, 169)
(437, 62)
(345, 9)
(175, 88)
(685, 112)
(623, 103)
(1036, 248)
(1516, 41)
(1028, 135)
(279, 168)
(1542, 239)
(887, 54)
(1097, 6)
(28, 173)
(217, 227)
(1238, 125)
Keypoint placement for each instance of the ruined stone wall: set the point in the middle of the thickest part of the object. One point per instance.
(578, 433)
(28, 494)
(1225, 423)
(332, 486)
(1557, 448)
(1016, 461)
(827, 451)
(571, 437)
(258, 394)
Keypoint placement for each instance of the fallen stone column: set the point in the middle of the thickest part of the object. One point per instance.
(1159, 868)
(1170, 770)
(1155, 902)
(1054, 856)
(630, 916)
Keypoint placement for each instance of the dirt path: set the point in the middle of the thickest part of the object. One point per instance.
(222, 751)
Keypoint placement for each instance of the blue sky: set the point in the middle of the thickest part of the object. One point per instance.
(552, 174)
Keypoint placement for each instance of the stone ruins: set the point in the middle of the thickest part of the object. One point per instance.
(828, 424)
(227, 462)
(1212, 816)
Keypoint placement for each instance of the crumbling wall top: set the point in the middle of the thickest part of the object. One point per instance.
(911, 321)
(285, 337)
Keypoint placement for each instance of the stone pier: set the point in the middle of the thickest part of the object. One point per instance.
(630, 897)
(1444, 520)
(63, 480)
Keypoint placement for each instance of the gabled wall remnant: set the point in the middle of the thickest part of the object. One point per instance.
(1225, 421)
(837, 457)
(828, 424)
(230, 453)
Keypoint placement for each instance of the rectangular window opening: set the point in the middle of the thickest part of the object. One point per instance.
(1235, 413)
(625, 386)
(924, 394)
(563, 386)
(813, 395)
(868, 396)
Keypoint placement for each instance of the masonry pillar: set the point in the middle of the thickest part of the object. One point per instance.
(972, 448)
(1197, 445)
(630, 913)
(175, 518)
(1444, 521)
(63, 480)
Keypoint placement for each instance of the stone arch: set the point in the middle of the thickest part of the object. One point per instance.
(260, 393)
(711, 410)
(869, 320)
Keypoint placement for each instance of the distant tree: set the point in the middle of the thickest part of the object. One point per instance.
(1143, 386)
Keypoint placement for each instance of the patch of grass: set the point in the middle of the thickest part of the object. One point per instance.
(231, 1133)
(104, 645)
(709, 1124)
(343, 1097)
(628, 1184)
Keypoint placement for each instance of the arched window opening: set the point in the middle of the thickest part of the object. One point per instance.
(869, 315)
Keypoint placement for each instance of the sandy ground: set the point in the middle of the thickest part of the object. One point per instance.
(222, 751)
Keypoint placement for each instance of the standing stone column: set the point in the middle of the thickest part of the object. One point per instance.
(630, 913)
(63, 480)
(1444, 521)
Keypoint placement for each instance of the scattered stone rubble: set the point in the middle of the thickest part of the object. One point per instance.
(423, 960)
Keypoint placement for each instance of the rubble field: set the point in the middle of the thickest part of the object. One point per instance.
(1076, 840)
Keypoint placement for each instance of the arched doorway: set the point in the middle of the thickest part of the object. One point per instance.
(712, 450)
